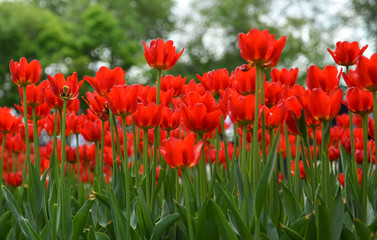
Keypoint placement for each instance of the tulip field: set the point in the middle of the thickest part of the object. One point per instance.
(241, 154)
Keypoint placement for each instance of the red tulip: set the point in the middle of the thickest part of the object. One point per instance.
(301, 168)
(343, 120)
(345, 53)
(359, 101)
(260, 48)
(371, 127)
(51, 100)
(41, 111)
(274, 116)
(176, 83)
(241, 108)
(161, 55)
(192, 86)
(170, 119)
(149, 116)
(91, 131)
(8, 122)
(105, 79)
(216, 80)
(24, 73)
(97, 105)
(285, 76)
(34, 94)
(122, 100)
(13, 179)
(322, 106)
(74, 123)
(244, 81)
(87, 152)
(148, 94)
(273, 93)
(200, 117)
(181, 154)
(327, 79)
(365, 74)
(65, 89)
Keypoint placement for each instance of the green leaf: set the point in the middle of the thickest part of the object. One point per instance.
(261, 193)
(102, 198)
(337, 215)
(347, 234)
(163, 225)
(362, 230)
(92, 235)
(292, 234)
(235, 219)
(119, 220)
(23, 223)
(290, 204)
(35, 192)
(5, 223)
(80, 219)
(323, 223)
(144, 216)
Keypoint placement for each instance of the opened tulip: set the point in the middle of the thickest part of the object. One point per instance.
(34, 94)
(181, 154)
(97, 105)
(91, 131)
(170, 119)
(346, 53)
(273, 93)
(149, 116)
(365, 74)
(359, 101)
(327, 79)
(176, 83)
(216, 80)
(122, 100)
(51, 100)
(285, 76)
(13, 179)
(323, 106)
(8, 122)
(105, 79)
(260, 48)
(161, 55)
(241, 108)
(274, 116)
(24, 73)
(65, 89)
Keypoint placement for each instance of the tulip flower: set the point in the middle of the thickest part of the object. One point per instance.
(216, 80)
(65, 89)
(327, 79)
(24, 73)
(346, 53)
(200, 118)
(359, 101)
(274, 116)
(273, 93)
(97, 105)
(323, 106)
(176, 83)
(8, 122)
(170, 119)
(285, 76)
(181, 154)
(91, 131)
(161, 55)
(105, 79)
(244, 81)
(241, 108)
(149, 116)
(260, 48)
(13, 179)
(34, 93)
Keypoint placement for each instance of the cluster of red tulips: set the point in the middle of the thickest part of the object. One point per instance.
(145, 138)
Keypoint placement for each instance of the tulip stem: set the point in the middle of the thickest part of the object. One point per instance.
(128, 178)
(102, 154)
(62, 134)
(297, 168)
(2, 159)
(255, 147)
(37, 163)
(77, 157)
(325, 164)
(364, 190)
(245, 174)
(135, 163)
(315, 178)
(186, 185)
(28, 160)
(97, 179)
(202, 173)
(375, 121)
(146, 166)
(227, 162)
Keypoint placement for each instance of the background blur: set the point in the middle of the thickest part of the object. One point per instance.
(82, 35)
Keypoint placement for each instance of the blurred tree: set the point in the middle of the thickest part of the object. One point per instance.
(367, 10)
(77, 35)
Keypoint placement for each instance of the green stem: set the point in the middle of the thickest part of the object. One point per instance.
(364, 181)
(297, 168)
(97, 171)
(28, 160)
(102, 154)
(37, 162)
(255, 130)
(2, 159)
(315, 177)
(375, 121)
(186, 185)
(235, 145)
(62, 134)
(146, 166)
(128, 178)
(135, 164)
(78, 158)
(325, 184)
(243, 164)
(202, 173)
(225, 145)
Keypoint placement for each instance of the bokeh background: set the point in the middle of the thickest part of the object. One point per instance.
(82, 35)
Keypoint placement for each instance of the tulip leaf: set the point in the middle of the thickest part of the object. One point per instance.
(92, 235)
(5, 223)
(323, 223)
(347, 234)
(102, 198)
(362, 230)
(35, 192)
(292, 234)
(290, 204)
(144, 216)
(22, 222)
(163, 225)
(261, 193)
(337, 215)
(80, 219)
